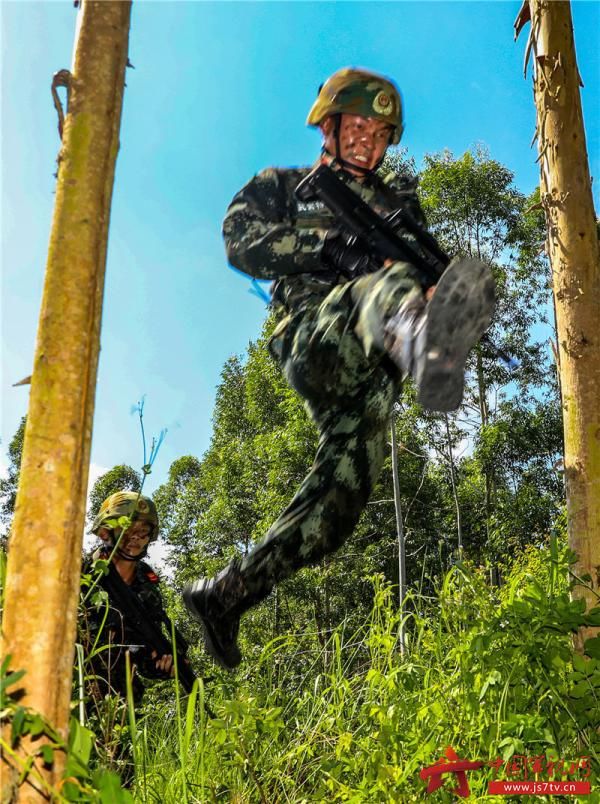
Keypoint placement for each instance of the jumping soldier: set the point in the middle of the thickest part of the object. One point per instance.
(132, 586)
(354, 325)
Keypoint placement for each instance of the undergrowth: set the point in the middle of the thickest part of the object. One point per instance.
(487, 673)
(490, 672)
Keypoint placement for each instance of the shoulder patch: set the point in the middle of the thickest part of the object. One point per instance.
(148, 572)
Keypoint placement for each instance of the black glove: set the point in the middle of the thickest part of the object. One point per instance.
(345, 254)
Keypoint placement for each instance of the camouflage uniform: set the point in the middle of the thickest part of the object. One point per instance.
(330, 347)
(348, 325)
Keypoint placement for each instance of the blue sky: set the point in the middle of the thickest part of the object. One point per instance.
(219, 91)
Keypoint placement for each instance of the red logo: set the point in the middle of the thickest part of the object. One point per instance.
(518, 770)
(452, 764)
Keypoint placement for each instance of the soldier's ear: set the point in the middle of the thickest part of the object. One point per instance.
(105, 534)
(326, 126)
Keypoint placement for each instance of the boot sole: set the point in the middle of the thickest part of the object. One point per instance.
(229, 660)
(459, 313)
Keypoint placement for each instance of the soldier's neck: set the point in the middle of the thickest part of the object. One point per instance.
(126, 569)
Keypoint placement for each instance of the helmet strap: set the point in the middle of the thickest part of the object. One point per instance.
(127, 556)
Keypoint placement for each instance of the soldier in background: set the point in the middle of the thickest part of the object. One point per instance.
(353, 326)
(114, 629)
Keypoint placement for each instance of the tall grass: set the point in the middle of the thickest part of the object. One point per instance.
(489, 672)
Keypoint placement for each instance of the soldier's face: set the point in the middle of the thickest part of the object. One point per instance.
(136, 538)
(363, 141)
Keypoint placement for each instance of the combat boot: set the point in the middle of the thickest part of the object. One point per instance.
(431, 340)
(216, 603)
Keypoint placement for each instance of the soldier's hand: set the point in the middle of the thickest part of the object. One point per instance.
(164, 664)
(345, 254)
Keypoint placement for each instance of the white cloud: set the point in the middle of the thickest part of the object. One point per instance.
(95, 472)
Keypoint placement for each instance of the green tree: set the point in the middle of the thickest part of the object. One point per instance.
(9, 484)
(119, 478)
(180, 503)
(474, 209)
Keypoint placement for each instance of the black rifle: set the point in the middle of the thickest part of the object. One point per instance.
(377, 235)
(138, 617)
(374, 233)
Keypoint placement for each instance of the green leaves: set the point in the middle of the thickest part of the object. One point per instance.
(7, 679)
(592, 647)
(47, 753)
(119, 478)
(492, 679)
(593, 617)
(109, 788)
(80, 745)
(17, 725)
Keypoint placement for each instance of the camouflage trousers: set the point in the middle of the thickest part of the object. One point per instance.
(332, 354)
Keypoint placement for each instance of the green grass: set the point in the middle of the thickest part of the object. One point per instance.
(490, 672)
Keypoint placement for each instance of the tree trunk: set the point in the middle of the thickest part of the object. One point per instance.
(401, 540)
(574, 257)
(459, 543)
(45, 546)
(484, 416)
(487, 473)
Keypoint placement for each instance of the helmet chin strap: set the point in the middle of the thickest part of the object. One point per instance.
(127, 556)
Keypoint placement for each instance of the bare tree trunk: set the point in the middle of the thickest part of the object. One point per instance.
(401, 541)
(484, 416)
(487, 474)
(45, 546)
(454, 489)
(574, 256)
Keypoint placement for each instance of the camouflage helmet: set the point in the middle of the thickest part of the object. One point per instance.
(352, 90)
(127, 503)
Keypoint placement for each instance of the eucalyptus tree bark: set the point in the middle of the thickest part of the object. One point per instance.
(44, 559)
(572, 245)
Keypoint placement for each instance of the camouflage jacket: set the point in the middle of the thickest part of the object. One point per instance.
(270, 234)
